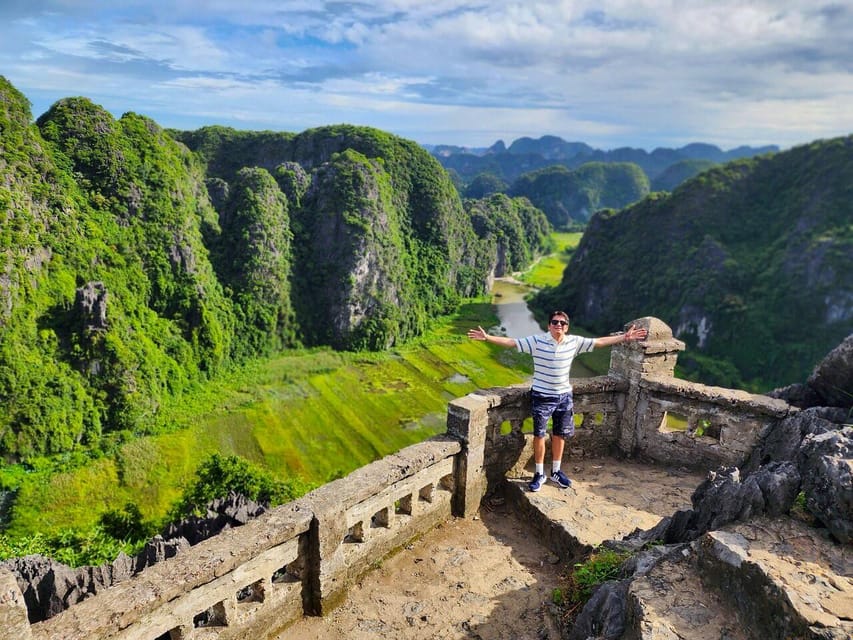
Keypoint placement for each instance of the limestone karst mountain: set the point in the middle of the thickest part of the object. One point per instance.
(749, 262)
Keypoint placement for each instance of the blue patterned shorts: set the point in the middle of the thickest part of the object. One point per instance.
(558, 408)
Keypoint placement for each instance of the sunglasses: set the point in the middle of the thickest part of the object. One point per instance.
(557, 323)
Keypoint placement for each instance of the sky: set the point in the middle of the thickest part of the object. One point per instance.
(611, 73)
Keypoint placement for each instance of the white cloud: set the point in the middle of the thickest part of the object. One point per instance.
(609, 72)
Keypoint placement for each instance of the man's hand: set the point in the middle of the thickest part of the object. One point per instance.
(477, 334)
(633, 334)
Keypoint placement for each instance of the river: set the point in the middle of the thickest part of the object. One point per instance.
(516, 319)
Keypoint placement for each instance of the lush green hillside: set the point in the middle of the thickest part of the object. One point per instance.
(110, 302)
(138, 262)
(750, 263)
(677, 173)
(572, 196)
(382, 243)
(512, 229)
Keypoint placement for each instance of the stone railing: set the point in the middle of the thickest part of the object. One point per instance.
(301, 558)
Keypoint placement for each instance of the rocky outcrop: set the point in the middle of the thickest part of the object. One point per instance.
(826, 463)
(832, 379)
(91, 305)
(829, 385)
(49, 587)
(223, 513)
(723, 498)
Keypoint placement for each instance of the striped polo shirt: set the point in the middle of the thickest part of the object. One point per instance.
(552, 361)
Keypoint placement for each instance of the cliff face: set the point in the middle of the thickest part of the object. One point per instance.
(132, 265)
(749, 262)
(382, 243)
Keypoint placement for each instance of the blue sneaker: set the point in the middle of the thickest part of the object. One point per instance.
(561, 480)
(537, 482)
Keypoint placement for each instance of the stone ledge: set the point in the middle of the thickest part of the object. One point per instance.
(733, 398)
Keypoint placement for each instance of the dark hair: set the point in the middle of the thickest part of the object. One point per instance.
(554, 314)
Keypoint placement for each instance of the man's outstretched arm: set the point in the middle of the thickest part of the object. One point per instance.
(633, 334)
(480, 334)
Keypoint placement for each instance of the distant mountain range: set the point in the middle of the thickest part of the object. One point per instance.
(569, 181)
(528, 154)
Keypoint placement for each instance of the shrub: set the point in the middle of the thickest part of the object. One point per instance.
(218, 475)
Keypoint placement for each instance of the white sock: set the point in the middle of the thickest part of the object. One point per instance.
(540, 467)
(555, 466)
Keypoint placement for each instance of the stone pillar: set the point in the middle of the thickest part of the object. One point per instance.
(13, 610)
(324, 577)
(654, 356)
(467, 421)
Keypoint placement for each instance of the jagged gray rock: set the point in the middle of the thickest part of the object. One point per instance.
(829, 385)
(91, 305)
(157, 549)
(603, 616)
(832, 379)
(222, 513)
(826, 462)
(49, 587)
(723, 498)
(783, 441)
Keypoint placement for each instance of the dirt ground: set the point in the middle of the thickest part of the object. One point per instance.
(434, 589)
(492, 577)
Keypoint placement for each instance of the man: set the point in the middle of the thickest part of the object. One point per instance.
(551, 391)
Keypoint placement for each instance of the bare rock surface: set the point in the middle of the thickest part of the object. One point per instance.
(671, 602)
(805, 577)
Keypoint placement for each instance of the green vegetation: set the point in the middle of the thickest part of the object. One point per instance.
(675, 174)
(125, 289)
(144, 330)
(217, 476)
(293, 416)
(578, 585)
(601, 566)
(485, 185)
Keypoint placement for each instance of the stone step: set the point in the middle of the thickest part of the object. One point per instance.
(670, 602)
(785, 577)
(608, 499)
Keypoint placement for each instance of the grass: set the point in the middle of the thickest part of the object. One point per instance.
(548, 271)
(602, 565)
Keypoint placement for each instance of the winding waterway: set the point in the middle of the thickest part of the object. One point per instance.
(516, 319)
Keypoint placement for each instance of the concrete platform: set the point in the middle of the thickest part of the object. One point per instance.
(608, 499)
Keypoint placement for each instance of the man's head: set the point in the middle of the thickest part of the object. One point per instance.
(558, 323)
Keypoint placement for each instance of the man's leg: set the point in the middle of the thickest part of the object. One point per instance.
(542, 408)
(564, 427)
(539, 449)
(558, 443)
